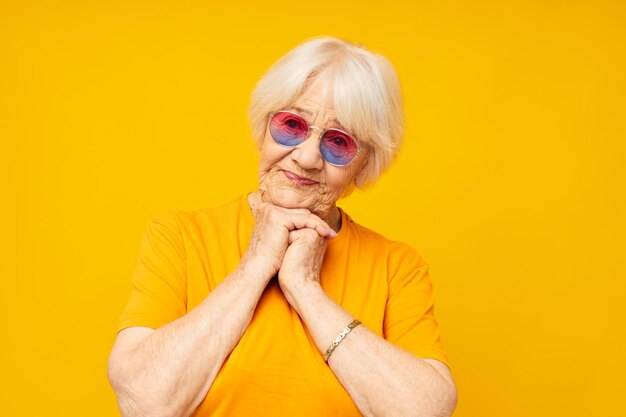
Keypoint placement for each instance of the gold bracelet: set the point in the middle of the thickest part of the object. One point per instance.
(339, 338)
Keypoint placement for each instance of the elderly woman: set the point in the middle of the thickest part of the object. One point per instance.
(279, 303)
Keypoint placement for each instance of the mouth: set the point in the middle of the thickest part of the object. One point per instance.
(298, 180)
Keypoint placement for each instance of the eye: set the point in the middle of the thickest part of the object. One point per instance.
(338, 148)
(336, 140)
(339, 141)
(293, 124)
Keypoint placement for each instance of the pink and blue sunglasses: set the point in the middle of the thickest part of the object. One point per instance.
(336, 146)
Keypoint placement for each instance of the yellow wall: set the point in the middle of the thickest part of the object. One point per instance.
(511, 182)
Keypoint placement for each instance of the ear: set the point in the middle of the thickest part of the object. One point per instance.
(362, 175)
(259, 139)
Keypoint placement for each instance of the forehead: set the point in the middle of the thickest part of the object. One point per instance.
(317, 97)
(317, 104)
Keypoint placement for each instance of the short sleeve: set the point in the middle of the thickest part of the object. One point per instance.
(410, 311)
(158, 294)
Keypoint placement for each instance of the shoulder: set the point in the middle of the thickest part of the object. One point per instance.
(399, 255)
(191, 219)
(169, 218)
(406, 271)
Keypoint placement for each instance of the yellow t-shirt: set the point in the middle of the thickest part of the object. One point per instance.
(276, 369)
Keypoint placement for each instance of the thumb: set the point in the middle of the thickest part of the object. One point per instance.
(293, 236)
(298, 235)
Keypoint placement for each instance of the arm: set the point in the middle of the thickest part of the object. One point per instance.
(168, 371)
(381, 378)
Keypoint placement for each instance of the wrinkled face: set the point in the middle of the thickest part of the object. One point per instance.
(299, 177)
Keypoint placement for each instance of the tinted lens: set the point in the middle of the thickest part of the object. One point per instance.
(288, 129)
(337, 147)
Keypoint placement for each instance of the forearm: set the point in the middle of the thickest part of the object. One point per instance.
(171, 370)
(381, 378)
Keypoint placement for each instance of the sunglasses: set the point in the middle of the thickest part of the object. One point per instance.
(336, 146)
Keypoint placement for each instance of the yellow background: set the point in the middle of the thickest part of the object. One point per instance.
(511, 181)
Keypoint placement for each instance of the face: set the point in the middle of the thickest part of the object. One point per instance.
(299, 177)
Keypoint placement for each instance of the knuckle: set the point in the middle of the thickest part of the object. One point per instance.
(262, 209)
(271, 213)
(310, 232)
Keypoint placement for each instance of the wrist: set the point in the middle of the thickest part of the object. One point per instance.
(256, 268)
(300, 293)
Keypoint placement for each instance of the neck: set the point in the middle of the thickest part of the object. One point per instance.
(332, 216)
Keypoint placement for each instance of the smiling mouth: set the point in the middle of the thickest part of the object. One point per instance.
(298, 180)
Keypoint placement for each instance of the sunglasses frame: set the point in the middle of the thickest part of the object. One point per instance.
(308, 134)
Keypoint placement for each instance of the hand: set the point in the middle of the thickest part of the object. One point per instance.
(302, 261)
(271, 235)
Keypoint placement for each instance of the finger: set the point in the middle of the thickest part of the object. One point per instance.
(305, 235)
(311, 221)
(298, 218)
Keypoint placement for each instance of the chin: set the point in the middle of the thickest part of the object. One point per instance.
(288, 198)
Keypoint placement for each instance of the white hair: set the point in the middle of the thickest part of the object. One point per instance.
(366, 94)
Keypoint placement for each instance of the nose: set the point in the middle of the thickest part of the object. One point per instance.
(307, 155)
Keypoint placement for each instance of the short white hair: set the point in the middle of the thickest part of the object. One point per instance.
(366, 94)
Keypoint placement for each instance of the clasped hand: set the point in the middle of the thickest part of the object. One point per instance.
(290, 242)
